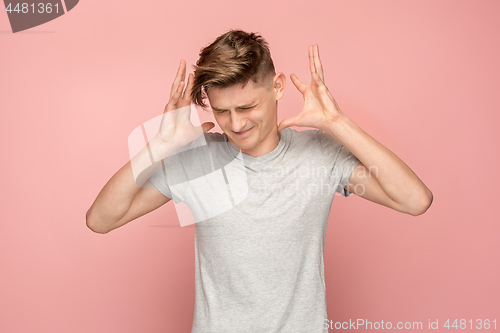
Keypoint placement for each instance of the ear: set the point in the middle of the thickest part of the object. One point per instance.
(279, 83)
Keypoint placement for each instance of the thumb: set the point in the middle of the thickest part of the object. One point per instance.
(286, 123)
(207, 126)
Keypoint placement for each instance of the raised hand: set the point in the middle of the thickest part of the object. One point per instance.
(320, 107)
(176, 128)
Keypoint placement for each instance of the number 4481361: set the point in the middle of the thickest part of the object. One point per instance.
(480, 324)
(40, 8)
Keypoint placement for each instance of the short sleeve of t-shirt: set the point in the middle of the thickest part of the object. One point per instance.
(159, 180)
(341, 160)
(186, 164)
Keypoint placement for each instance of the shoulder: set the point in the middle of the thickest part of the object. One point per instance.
(326, 140)
(315, 142)
(304, 137)
(214, 136)
(201, 141)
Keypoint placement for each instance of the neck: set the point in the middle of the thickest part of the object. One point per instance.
(267, 145)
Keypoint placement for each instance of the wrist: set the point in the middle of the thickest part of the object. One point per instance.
(332, 127)
(159, 149)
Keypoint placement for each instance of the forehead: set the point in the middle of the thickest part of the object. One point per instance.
(234, 96)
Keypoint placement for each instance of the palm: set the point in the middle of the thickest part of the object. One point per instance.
(177, 128)
(314, 108)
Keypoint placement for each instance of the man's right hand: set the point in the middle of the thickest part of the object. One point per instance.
(176, 129)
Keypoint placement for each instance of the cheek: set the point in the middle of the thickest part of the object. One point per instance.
(220, 121)
(266, 118)
(258, 116)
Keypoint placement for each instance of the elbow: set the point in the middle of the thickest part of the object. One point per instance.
(426, 202)
(94, 226)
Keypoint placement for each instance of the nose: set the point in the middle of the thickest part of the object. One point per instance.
(238, 122)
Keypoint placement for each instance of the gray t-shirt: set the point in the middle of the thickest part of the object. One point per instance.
(259, 258)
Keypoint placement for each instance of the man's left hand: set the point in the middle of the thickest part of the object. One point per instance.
(320, 109)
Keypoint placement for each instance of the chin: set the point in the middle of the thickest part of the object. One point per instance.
(244, 144)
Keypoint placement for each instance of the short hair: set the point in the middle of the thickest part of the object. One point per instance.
(233, 58)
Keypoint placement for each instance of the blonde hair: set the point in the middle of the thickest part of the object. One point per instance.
(233, 58)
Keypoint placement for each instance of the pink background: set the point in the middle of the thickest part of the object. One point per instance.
(421, 77)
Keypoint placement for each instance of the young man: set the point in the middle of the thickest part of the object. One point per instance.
(259, 260)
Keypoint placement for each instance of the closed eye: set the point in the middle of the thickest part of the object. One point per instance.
(250, 107)
(222, 111)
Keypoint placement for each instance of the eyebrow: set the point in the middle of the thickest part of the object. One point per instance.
(243, 106)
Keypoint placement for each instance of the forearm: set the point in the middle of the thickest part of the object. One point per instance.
(116, 197)
(397, 180)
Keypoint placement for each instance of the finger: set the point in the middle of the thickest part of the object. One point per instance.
(183, 78)
(323, 88)
(317, 79)
(295, 80)
(312, 67)
(172, 103)
(286, 123)
(319, 82)
(187, 92)
(207, 126)
(178, 94)
(317, 62)
(178, 78)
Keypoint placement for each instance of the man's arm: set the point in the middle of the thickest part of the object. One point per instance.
(392, 183)
(368, 187)
(381, 176)
(123, 198)
(127, 195)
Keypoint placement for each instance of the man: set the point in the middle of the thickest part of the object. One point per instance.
(259, 263)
